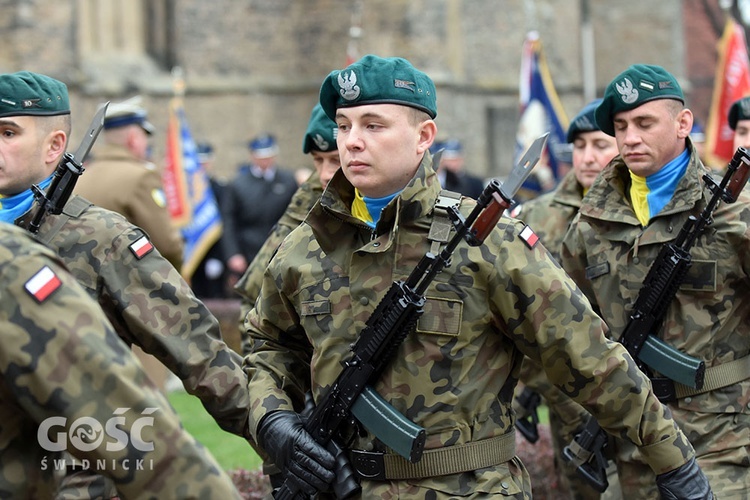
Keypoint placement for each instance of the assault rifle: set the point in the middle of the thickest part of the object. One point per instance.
(663, 280)
(394, 318)
(66, 175)
(527, 423)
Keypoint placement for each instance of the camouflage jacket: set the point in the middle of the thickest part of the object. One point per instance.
(150, 305)
(609, 253)
(550, 216)
(455, 376)
(62, 368)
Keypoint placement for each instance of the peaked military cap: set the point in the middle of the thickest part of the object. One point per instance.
(321, 132)
(740, 110)
(452, 148)
(264, 146)
(129, 112)
(378, 80)
(32, 94)
(585, 121)
(638, 84)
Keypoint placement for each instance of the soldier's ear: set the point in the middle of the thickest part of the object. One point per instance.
(55, 146)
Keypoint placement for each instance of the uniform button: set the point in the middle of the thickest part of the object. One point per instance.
(636, 260)
(748, 405)
(504, 485)
(376, 244)
(688, 400)
(364, 301)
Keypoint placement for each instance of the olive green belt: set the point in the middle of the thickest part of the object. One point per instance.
(718, 376)
(435, 462)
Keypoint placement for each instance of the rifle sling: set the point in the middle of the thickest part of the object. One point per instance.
(440, 229)
(73, 208)
(435, 462)
(716, 377)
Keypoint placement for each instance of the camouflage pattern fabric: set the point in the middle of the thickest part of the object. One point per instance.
(609, 253)
(550, 216)
(248, 287)
(455, 376)
(150, 305)
(59, 357)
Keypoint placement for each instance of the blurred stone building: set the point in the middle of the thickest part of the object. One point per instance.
(256, 65)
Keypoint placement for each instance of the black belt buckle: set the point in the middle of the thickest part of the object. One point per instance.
(664, 389)
(368, 464)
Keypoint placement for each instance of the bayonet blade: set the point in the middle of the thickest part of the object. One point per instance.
(91, 134)
(523, 168)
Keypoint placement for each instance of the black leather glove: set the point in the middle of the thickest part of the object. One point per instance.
(309, 467)
(684, 483)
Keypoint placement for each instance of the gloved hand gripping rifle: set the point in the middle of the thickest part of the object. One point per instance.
(396, 316)
(659, 289)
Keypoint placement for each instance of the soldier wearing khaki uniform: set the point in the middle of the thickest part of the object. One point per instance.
(142, 294)
(455, 375)
(550, 215)
(122, 179)
(62, 368)
(638, 204)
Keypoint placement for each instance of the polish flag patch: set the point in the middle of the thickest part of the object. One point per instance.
(43, 284)
(141, 247)
(529, 236)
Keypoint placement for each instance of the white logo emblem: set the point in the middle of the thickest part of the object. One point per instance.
(320, 142)
(626, 90)
(349, 88)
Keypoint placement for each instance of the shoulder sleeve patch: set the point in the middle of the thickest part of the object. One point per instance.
(528, 236)
(141, 247)
(43, 284)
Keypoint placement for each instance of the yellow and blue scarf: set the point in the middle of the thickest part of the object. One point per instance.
(651, 194)
(368, 209)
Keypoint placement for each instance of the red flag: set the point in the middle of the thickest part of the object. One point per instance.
(732, 82)
(173, 176)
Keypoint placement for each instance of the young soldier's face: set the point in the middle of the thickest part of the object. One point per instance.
(381, 146)
(592, 151)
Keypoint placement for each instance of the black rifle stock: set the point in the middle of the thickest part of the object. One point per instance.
(659, 289)
(527, 424)
(65, 177)
(396, 316)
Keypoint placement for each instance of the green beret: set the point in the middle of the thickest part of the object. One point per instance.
(638, 84)
(740, 110)
(377, 80)
(321, 132)
(27, 93)
(585, 121)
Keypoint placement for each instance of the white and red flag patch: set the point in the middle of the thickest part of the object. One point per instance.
(42, 284)
(529, 236)
(141, 247)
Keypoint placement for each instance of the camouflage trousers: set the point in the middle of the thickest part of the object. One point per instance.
(722, 446)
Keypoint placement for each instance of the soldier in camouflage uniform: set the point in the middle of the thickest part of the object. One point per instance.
(63, 370)
(320, 143)
(550, 215)
(142, 294)
(455, 375)
(638, 204)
